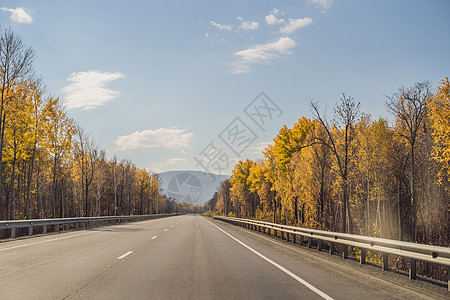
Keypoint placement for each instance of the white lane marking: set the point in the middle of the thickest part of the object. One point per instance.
(154, 237)
(166, 229)
(46, 241)
(125, 255)
(171, 226)
(302, 281)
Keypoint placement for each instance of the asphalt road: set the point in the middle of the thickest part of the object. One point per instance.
(184, 257)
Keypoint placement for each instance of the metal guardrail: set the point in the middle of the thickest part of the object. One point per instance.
(84, 222)
(415, 252)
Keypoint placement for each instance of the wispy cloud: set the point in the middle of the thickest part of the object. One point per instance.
(261, 53)
(175, 160)
(221, 26)
(87, 89)
(159, 138)
(18, 15)
(324, 5)
(164, 164)
(295, 24)
(258, 148)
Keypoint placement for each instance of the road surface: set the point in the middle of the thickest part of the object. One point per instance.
(186, 257)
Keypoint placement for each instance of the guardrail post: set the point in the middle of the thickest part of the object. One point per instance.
(309, 242)
(282, 234)
(319, 245)
(385, 263)
(448, 278)
(13, 232)
(332, 250)
(300, 240)
(344, 251)
(56, 227)
(412, 268)
(275, 233)
(44, 230)
(30, 231)
(362, 258)
(77, 224)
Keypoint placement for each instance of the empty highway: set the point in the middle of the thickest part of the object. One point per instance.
(186, 257)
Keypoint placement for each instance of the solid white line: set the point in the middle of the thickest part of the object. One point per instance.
(302, 281)
(154, 237)
(125, 255)
(46, 241)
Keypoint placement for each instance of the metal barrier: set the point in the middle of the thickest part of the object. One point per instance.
(415, 252)
(84, 222)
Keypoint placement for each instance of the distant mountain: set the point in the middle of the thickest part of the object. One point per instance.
(193, 187)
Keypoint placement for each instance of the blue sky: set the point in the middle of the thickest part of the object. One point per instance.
(162, 82)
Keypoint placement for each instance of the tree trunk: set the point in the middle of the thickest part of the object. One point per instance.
(13, 182)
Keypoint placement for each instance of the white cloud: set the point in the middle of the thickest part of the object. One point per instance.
(295, 24)
(87, 89)
(221, 26)
(262, 52)
(176, 160)
(18, 15)
(159, 138)
(250, 25)
(271, 19)
(325, 5)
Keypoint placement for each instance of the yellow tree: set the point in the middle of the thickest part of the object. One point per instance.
(375, 178)
(261, 185)
(38, 118)
(59, 130)
(246, 201)
(18, 139)
(286, 144)
(312, 181)
(439, 113)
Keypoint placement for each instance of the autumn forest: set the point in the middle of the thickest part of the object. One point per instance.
(351, 173)
(49, 165)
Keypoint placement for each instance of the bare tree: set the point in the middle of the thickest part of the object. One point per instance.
(409, 106)
(347, 113)
(87, 153)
